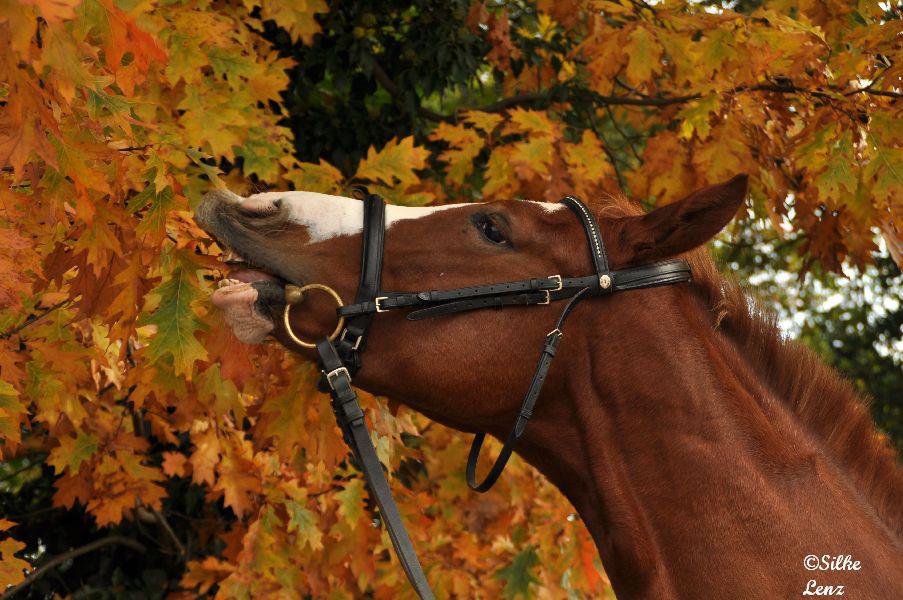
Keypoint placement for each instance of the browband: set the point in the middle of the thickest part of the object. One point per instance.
(340, 360)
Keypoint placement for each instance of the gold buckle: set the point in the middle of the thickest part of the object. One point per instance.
(299, 294)
(560, 283)
(380, 309)
(548, 297)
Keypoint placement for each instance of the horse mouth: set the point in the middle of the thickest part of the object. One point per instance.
(246, 295)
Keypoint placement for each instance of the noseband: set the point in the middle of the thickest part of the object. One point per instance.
(340, 353)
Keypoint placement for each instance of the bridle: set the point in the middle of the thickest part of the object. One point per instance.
(340, 353)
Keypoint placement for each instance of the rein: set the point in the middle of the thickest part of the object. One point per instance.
(340, 353)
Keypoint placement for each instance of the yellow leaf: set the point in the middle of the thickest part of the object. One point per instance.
(297, 17)
(534, 122)
(12, 569)
(55, 11)
(695, 117)
(485, 122)
(72, 452)
(587, 160)
(311, 177)
(644, 54)
(465, 145)
(206, 456)
(204, 574)
(395, 163)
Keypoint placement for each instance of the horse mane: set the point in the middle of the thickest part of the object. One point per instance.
(824, 403)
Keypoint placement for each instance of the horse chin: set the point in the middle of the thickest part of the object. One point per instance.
(237, 296)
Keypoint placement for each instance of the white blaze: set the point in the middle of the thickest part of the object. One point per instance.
(327, 216)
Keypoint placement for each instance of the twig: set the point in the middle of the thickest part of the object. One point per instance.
(74, 553)
(627, 139)
(608, 152)
(172, 535)
(526, 98)
(9, 476)
(332, 488)
(32, 319)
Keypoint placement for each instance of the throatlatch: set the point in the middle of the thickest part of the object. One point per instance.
(340, 353)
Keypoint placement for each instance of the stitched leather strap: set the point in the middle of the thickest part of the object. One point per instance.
(526, 409)
(390, 301)
(353, 339)
(477, 303)
(594, 236)
(350, 418)
(488, 296)
(662, 273)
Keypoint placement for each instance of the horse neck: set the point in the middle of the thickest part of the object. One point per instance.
(693, 479)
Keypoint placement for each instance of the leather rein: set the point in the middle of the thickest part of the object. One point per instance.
(340, 353)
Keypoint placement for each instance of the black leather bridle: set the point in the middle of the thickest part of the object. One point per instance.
(341, 359)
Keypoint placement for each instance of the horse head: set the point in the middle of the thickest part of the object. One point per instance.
(459, 369)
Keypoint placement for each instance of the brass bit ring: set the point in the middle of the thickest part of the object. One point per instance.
(295, 295)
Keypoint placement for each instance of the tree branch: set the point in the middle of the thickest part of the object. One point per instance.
(546, 97)
(32, 319)
(518, 99)
(168, 529)
(74, 553)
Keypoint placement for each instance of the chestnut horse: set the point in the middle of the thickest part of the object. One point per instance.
(708, 456)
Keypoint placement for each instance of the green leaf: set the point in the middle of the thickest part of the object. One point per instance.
(72, 452)
(304, 522)
(12, 413)
(695, 117)
(517, 576)
(838, 178)
(351, 502)
(176, 321)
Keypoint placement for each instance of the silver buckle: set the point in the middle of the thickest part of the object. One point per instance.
(560, 283)
(380, 309)
(548, 297)
(357, 342)
(336, 373)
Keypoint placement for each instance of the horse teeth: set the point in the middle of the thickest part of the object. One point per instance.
(227, 282)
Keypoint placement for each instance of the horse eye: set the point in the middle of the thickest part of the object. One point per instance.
(491, 231)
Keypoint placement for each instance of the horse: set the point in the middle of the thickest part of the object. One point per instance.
(708, 455)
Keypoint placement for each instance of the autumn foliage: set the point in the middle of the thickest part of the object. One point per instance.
(119, 381)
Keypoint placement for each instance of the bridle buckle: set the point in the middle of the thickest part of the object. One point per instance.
(335, 373)
(560, 284)
(548, 297)
(357, 342)
(379, 308)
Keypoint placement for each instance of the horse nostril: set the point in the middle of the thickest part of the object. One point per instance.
(277, 203)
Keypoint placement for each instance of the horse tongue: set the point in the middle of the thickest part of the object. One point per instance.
(250, 275)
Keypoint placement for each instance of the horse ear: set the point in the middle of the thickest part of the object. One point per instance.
(683, 225)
